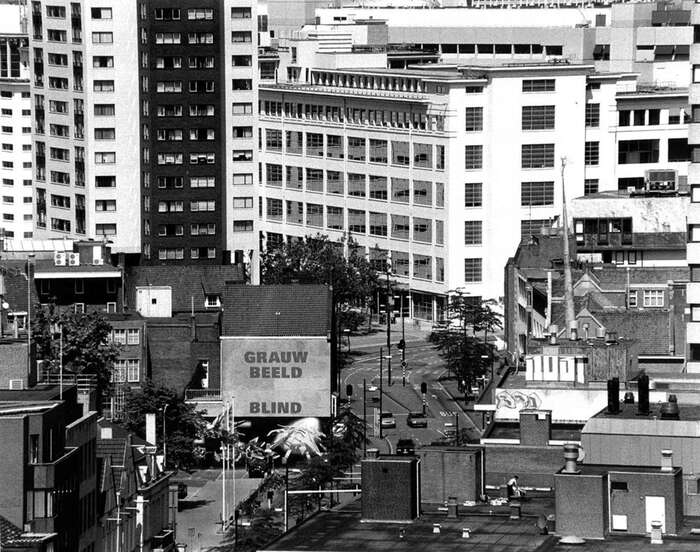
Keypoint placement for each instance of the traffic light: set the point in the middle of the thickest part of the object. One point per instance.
(348, 390)
(402, 344)
(423, 388)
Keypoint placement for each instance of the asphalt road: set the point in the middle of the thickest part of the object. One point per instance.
(423, 365)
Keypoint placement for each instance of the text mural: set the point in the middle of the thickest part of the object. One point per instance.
(273, 377)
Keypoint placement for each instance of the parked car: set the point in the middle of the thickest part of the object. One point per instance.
(405, 447)
(417, 419)
(387, 420)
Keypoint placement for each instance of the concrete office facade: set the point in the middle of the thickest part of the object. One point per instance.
(444, 170)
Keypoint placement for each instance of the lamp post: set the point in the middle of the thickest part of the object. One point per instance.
(165, 446)
(29, 312)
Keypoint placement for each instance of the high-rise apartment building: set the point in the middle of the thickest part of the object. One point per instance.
(197, 66)
(143, 126)
(86, 130)
(693, 287)
(15, 125)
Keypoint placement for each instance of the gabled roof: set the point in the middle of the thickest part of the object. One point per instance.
(616, 277)
(277, 310)
(190, 283)
(650, 327)
(541, 250)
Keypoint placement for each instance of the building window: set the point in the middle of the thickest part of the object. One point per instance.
(119, 336)
(537, 156)
(473, 157)
(34, 448)
(472, 232)
(132, 336)
(472, 270)
(533, 194)
(242, 225)
(474, 119)
(632, 299)
(538, 117)
(592, 153)
(102, 38)
(593, 115)
(538, 85)
(653, 298)
(472, 194)
(132, 370)
(590, 186)
(638, 151)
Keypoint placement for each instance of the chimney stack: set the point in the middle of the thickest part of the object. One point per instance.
(151, 428)
(600, 332)
(614, 396)
(666, 460)
(452, 507)
(553, 331)
(643, 389)
(571, 453)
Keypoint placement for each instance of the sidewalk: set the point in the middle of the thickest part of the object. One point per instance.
(199, 518)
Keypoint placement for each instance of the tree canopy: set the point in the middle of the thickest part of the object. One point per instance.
(87, 343)
(318, 260)
(465, 354)
(183, 424)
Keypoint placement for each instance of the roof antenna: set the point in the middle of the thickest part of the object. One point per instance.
(568, 285)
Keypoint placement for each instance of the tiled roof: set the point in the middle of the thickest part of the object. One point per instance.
(8, 531)
(190, 284)
(278, 310)
(541, 253)
(113, 448)
(616, 278)
(16, 285)
(649, 327)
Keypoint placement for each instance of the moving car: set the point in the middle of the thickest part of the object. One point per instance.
(405, 447)
(387, 420)
(417, 419)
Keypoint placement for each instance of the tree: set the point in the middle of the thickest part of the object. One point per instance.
(465, 355)
(87, 344)
(183, 424)
(317, 260)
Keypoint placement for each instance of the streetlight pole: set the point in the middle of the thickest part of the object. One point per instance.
(29, 312)
(381, 388)
(165, 446)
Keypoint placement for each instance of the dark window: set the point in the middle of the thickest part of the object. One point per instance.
(678, 150)
(638, 151)
(593, 115)
(624, 117)
(538, 117)
(537, 156)
(590, 186)
(618, 486)
(536, 193)
(472, 194)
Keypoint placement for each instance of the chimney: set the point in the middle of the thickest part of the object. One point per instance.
(105, 433)
(610, 336)
(571, 454)
(614, 396)
(553, 331)
(573, 330)
(669, 410)
(666, 460)
(600, 332)
(452, 507)
(151, 428)
(643, 391)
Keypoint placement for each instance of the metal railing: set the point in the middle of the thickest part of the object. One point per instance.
(202, 394)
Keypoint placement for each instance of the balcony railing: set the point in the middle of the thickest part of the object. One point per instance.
(203, 394)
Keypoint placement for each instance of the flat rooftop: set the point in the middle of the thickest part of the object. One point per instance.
(602, 469)
(342, 530)
(688, 412)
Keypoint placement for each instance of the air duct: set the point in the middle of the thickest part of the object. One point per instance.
(643, 387)
(614, 396)
(666, 460)
(573, 330)
(600, 332)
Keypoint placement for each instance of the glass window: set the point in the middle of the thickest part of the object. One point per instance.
(474, 119)
(537, 156)
(400, 190)
(400, 154)
(472, 194)
(536, 194)
(593, 115)
(472, 270)
(538, 117)
(473, 157)
(472, 232)
(422, 192)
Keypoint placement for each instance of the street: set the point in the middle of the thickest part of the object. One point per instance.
(423, 365)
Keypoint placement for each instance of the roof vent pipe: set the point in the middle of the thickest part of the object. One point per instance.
(571, 454)
(553, 331)
(643, 387)
(600, 332)
(666, 460)
(573, 330)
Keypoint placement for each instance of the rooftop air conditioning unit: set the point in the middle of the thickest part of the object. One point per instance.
(73, 259)
(661, 180)
(59, 258)
(98, 261)
(17, 384)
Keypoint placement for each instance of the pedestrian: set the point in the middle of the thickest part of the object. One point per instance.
(513, 489)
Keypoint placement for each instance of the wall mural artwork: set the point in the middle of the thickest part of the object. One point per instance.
(517, 400)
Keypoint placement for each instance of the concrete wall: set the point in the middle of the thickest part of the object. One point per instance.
(641, 485)
(581, 505)
(535, 427)
(14, 364)
(12, 468)
(450, 472)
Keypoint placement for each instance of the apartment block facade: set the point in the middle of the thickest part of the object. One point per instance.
(693, 218)
(15, 125)
(132, 103)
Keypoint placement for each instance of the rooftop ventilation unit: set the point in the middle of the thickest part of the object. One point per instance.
(661, 180)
